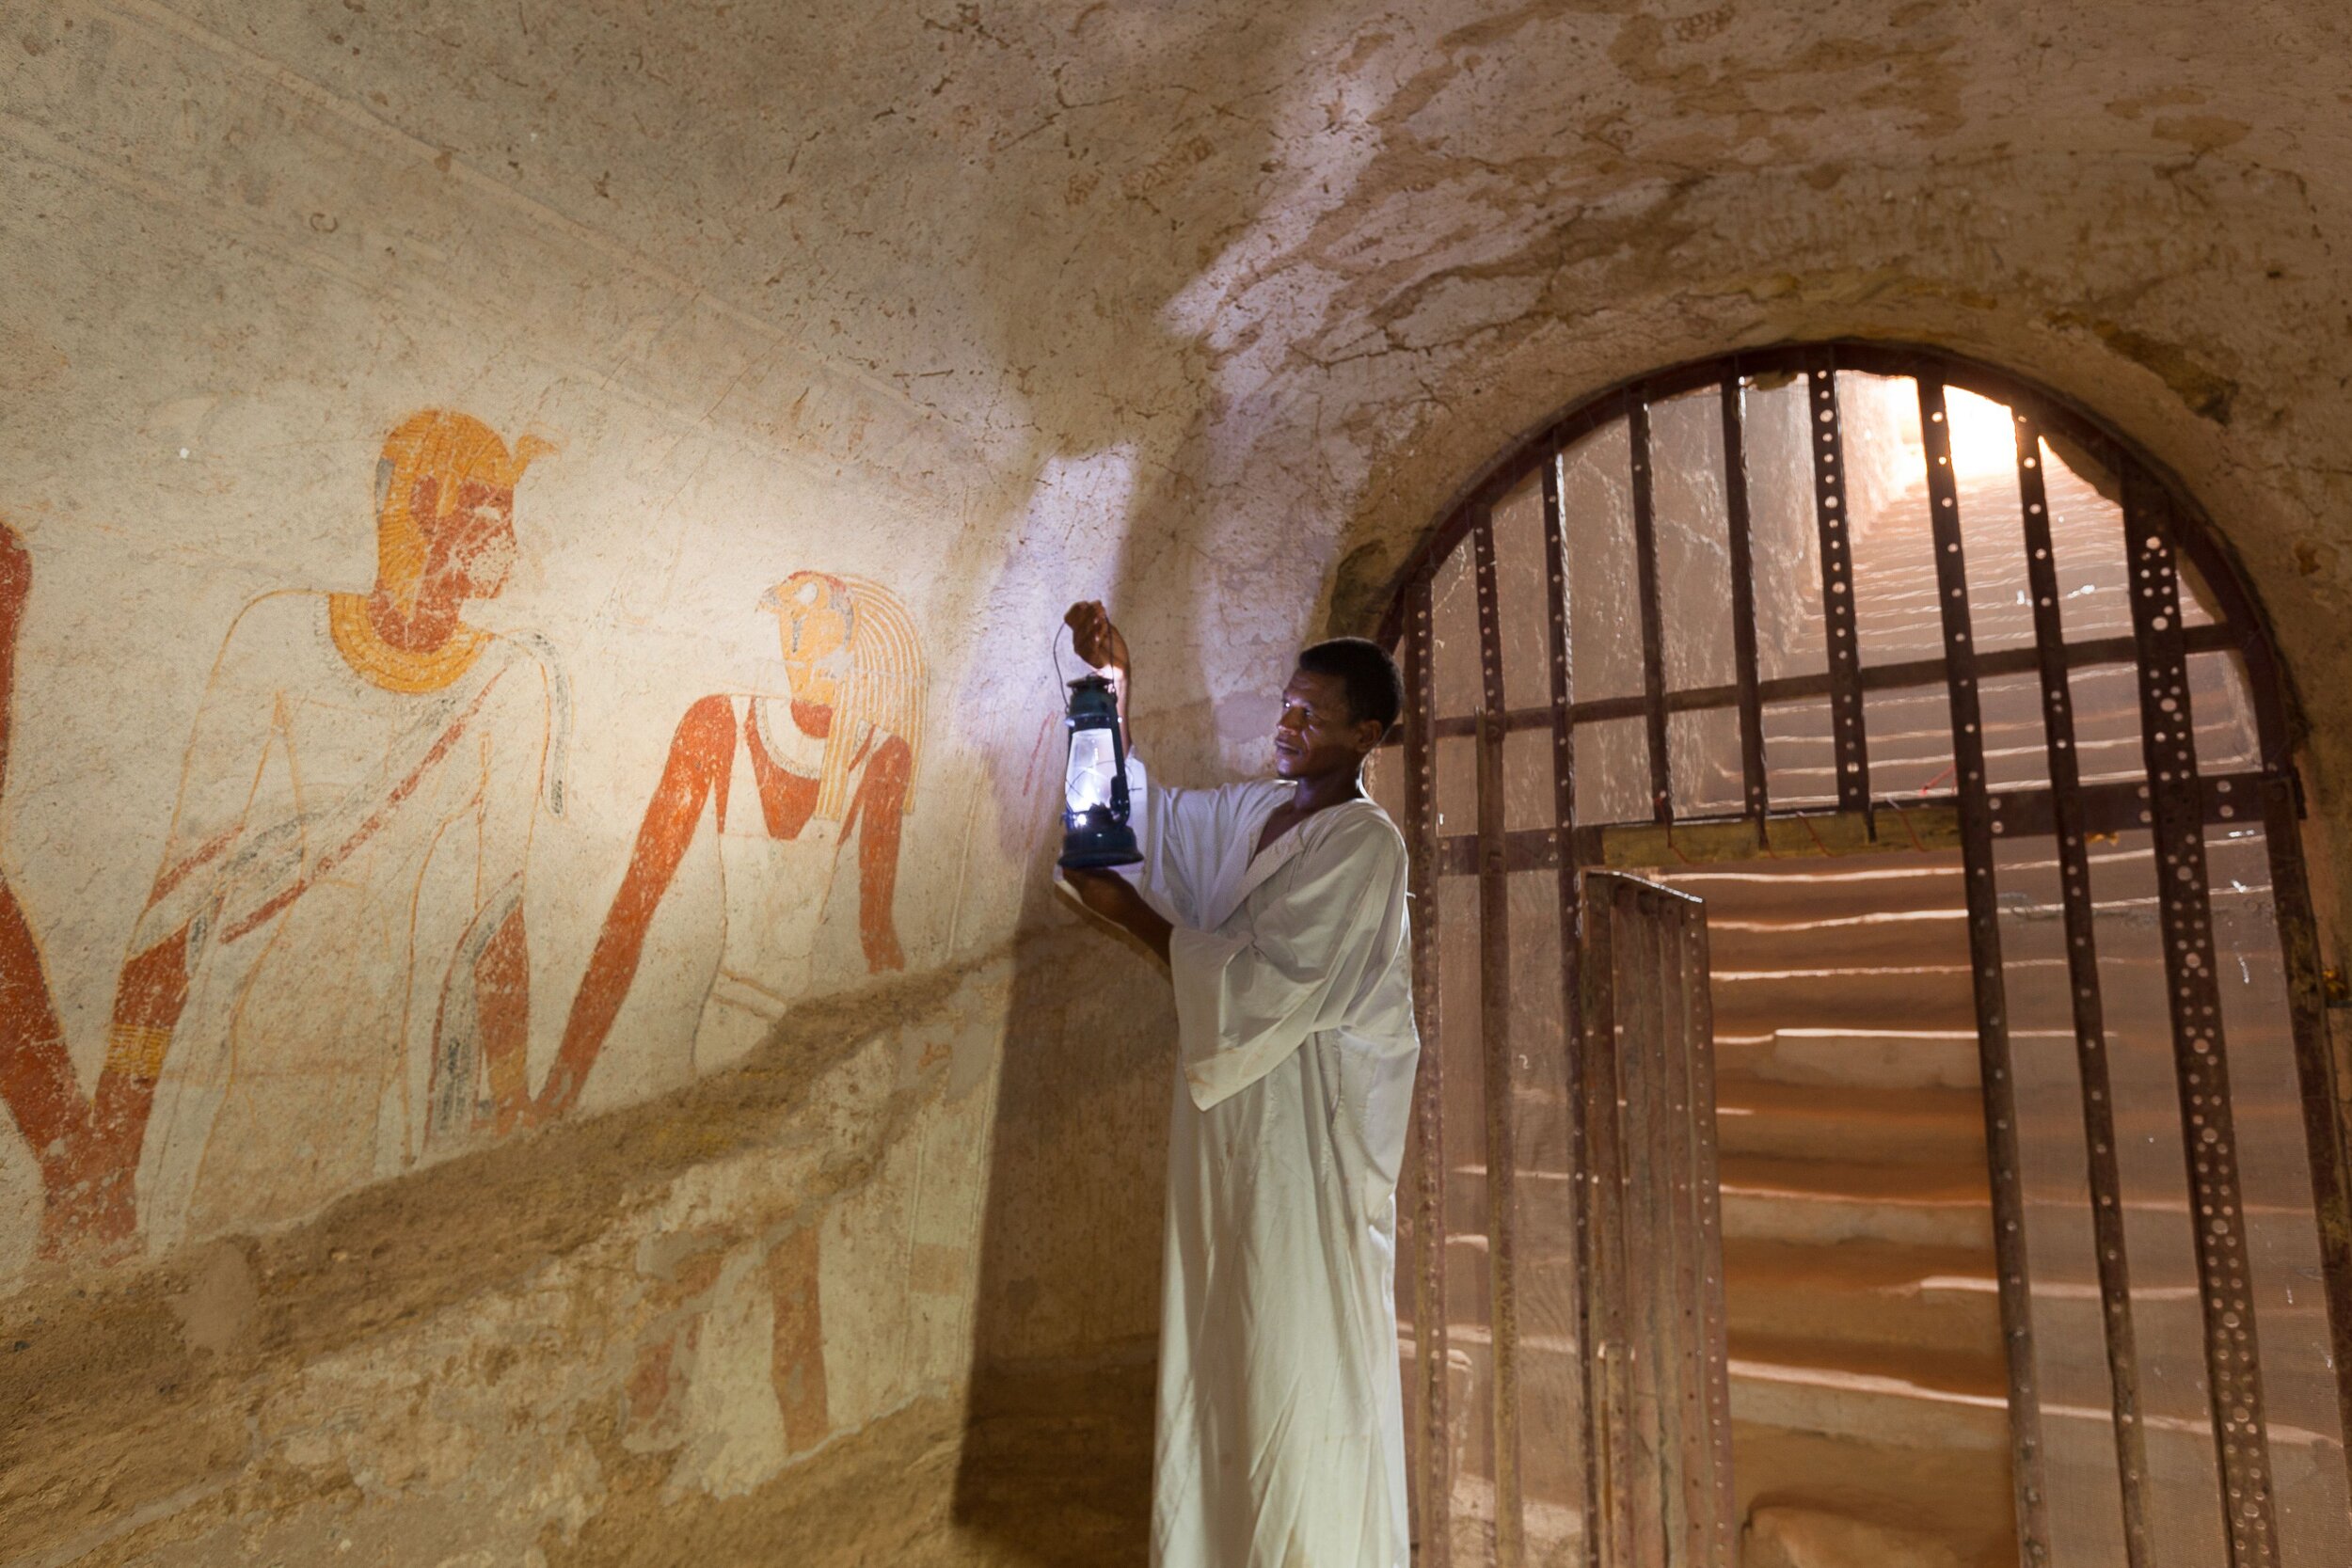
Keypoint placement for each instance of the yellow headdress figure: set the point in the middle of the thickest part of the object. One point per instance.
(863, 636)
(449, 449)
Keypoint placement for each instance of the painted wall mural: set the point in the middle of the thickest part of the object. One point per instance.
(810, 771)
(330, 979)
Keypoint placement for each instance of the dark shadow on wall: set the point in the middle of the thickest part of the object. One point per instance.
(1056, 1453)
(1127, 210)
(1057, 1440)
(1056, 1464)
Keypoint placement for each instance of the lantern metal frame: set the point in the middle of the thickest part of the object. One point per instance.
(1098, 839)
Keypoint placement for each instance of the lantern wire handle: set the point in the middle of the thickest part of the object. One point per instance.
(1061, 680)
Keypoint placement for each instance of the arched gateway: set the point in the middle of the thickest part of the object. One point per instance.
(1955, 710)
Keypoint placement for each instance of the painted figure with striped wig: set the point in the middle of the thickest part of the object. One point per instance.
(767, 860)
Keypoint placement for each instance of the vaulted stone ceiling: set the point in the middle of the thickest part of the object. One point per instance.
(1312, 264)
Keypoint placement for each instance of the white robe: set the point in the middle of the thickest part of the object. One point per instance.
(1280, 1439)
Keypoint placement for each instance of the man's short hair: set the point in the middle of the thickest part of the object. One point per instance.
(1365, 672)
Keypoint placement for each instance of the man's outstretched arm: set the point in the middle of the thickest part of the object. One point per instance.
(1115, 898)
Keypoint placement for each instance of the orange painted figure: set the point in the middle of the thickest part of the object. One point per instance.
(37, 1078)
(788, 782)
(330, 975)
(85, 1187)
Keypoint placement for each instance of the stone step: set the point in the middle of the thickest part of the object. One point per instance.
(1829, 1173)
(1850, 1123)
(1810, 887)
(1551, 1532)
(1905, 1400)
(1885, 1303)
(1771, 1198)
(1891, 1406)
(1767, 1198)
(2105, 703)
(1810, 1074)
(1885, 1059)
(1911, 753)
(1740, 942)
(1926, 995)
(1551, 1473)
(1822, 1201)
(1871, 1295)
(1957, 1495)
(1813, 889)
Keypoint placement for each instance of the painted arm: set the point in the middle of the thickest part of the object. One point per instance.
(36, 1079)
(94, 1201)
(702, 752)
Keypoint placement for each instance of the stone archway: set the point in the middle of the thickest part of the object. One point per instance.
(1807, 603)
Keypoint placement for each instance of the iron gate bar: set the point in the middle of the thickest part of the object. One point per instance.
(2208, 1132)
(2058, 418)
(1837, 599)
(1640, 1221)
(1431, 1353)
(1571, 1002)
(1564, 845)
(1931, 824)
(1653, 629)
(1494, 1028)
(2215, 638)
(1680, 1415)
(1697, 968)
(1607, 1531)
(2315, 1068)
(1984, 953)
(1744, 601)
(2082, 961)
(1660, 1418)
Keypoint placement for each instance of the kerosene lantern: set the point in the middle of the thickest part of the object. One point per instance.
(1094, 817)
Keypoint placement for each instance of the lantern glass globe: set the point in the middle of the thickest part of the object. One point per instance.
(1092, 767)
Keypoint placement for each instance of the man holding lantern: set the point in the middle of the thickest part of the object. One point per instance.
(1280, 907)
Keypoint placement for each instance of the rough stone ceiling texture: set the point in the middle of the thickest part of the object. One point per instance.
(1310, 264)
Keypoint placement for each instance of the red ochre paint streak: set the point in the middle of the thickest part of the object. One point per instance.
(37, 1080)
(798, 1364)
(86, 1149)
(35, 1076)
(202, 855)
(501, 978)
(879, 808)
(702, 755)
(701, 762)
(94, 1205)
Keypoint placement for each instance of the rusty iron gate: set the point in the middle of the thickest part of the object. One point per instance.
(1698, 619)
(1658, 1482)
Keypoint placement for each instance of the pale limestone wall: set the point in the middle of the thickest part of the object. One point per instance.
(1210, 311)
